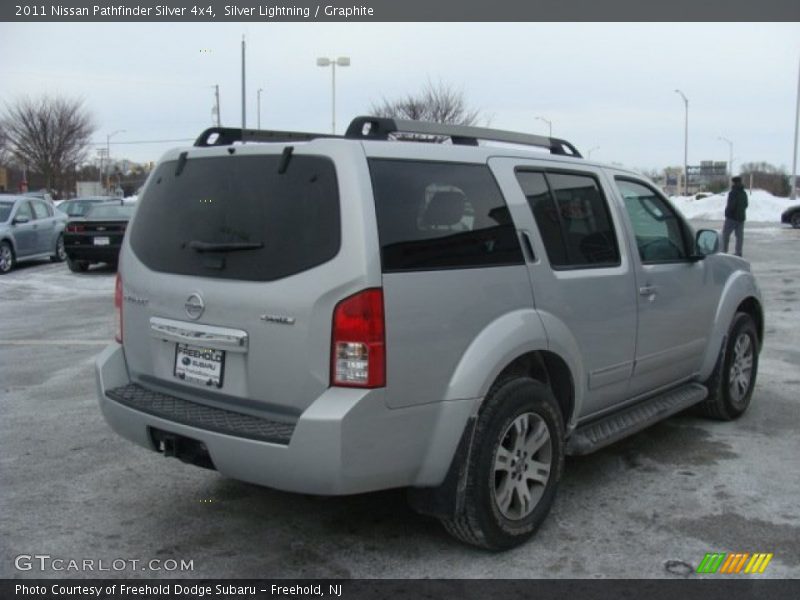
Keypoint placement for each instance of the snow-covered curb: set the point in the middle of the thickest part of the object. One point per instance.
(763, 206)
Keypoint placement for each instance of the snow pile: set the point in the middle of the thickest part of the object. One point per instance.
(762, 206)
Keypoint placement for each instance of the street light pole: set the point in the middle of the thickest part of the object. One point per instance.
(796, 127)
(730, 147)
(589, 153)
(685, 144)
(258, 103)
(108, 151)
(342, 61)
(549, 125)
(216, 98)
(244, 92)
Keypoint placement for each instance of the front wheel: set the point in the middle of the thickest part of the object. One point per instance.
(514, 464)
(795, 220)
(730, 386)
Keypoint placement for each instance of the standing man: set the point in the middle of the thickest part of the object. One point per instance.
(735, 215)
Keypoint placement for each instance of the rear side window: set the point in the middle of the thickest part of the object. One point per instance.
(572, 216)
(236, 217)
(41, 209)
(434, 215)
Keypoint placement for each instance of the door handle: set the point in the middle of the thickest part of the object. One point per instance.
(528, 247)
(647, 290)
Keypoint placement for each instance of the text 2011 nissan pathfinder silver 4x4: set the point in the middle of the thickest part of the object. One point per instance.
(334, 315)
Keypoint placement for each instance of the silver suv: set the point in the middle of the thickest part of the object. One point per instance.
(336, 315)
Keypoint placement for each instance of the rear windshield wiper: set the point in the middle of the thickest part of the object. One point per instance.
(199, 246)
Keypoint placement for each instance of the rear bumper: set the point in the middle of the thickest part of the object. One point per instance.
(93, 254)
(347, 441)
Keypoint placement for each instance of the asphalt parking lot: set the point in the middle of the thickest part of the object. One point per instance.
(649, 506)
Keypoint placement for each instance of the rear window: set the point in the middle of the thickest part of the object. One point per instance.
(115, 211)
(441, 216)
(236, 217)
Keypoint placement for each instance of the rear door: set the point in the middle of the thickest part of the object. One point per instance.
(234, 262)
(675, 293)
(581, 275)
(25, 236)
(45, 227)
(451, 261)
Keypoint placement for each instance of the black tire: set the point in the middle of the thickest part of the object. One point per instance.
(60, 254)
(489, 522)
(795, 219)
(77, 266)
(7, 258)
(729, 388)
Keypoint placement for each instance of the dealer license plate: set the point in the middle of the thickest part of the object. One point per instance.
(205, 366)
(101, 241)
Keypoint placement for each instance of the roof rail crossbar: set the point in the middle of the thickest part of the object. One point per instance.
(380, 128)
(226, 136)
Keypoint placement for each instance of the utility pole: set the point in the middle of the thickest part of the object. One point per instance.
(216, 97)
(796, 127)
(258, 106)
(244, 94)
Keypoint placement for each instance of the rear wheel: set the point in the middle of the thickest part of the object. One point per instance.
(730, 386)
(60, 254)
(514, 464)
(795, 219)
(77, 266)
(6, 258)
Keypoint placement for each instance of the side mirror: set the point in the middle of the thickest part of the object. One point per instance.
(21, 220)
(706, 242)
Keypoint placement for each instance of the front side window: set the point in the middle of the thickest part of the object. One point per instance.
(434, 215)
(572, 217)
(658, 230)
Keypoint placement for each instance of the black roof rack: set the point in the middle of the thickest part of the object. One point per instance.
(225, 136)
(380, 128)
(383, 128)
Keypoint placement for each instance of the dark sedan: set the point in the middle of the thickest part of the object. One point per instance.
(792, 216)
(97, 235)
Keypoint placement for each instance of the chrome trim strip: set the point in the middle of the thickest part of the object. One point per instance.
(222, 338)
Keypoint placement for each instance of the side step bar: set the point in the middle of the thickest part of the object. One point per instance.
(598, 434)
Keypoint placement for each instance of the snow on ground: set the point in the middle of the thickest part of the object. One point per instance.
(763, 206)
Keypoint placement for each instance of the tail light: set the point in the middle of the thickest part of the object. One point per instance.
(358, 348)
(72, 228)
(118, 308)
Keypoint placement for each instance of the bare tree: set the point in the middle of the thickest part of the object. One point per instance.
(440, 103)
(4, 157)
(48, 135)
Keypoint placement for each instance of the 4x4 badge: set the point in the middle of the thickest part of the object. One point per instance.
(194, 306)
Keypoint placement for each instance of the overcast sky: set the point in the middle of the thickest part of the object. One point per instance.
(602, 85)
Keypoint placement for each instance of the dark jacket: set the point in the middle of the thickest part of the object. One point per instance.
(737, 203)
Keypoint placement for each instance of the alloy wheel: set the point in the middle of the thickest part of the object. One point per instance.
(522, 464)
(741, 370)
